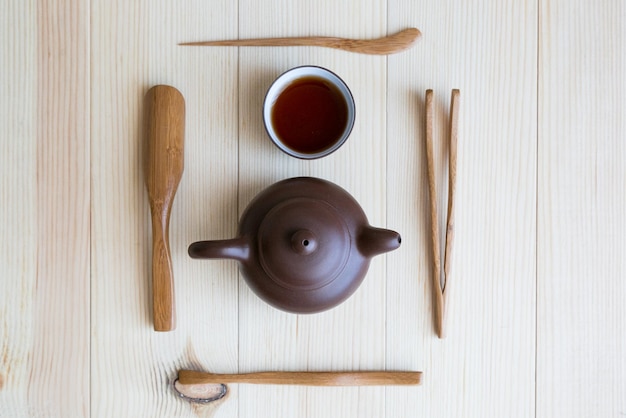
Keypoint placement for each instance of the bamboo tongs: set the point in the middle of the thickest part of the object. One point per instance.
(440, 287)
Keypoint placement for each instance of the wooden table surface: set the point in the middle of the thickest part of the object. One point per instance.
(537, 319)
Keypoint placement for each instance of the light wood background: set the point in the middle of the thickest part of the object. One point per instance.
(537, 320)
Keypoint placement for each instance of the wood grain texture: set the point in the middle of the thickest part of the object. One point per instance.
(536, 320)
(134, 47)
(488, 51)
(18, 191)
(581, 327)
(45, 277)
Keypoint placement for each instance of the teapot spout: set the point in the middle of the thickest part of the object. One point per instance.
(234, 249)
(374, 241)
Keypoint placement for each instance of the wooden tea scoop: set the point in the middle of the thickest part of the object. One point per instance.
(202, 387)
(165, 131)
(366, 378)
(440, 286)
(380, 46)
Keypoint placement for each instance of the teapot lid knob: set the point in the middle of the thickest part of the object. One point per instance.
(304, 244)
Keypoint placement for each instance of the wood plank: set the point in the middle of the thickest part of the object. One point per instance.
(18, 190)
(134, 47)
(351, 336)
(581, 350)
(44, 367)
(485, 365)
(539, 252)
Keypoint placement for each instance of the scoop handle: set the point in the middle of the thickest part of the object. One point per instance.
(361, 378)
(165, 132)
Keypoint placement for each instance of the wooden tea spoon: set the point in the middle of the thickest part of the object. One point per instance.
(364, 378)
(380, 46)
(165, 131)
(205, 388)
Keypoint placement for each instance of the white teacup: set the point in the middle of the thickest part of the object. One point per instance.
(308, 112)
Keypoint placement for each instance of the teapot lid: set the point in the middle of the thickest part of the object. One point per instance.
(304, 244)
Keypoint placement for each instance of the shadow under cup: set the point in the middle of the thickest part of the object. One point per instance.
(308, 112)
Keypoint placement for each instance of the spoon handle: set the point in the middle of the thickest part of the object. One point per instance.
(164, 130)
(381, 46)
(366, 378)
(284, 41)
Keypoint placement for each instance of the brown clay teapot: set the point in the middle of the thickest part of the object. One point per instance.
(304, 245)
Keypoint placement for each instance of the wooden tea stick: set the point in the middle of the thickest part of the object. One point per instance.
(440, 288)
(438, 303)
(365, 378)
(454, 134)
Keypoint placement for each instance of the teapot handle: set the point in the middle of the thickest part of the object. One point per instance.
(234, 249)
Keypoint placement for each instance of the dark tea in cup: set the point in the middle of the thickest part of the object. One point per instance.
(308, 112)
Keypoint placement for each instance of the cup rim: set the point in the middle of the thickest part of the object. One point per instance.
(279, 84)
